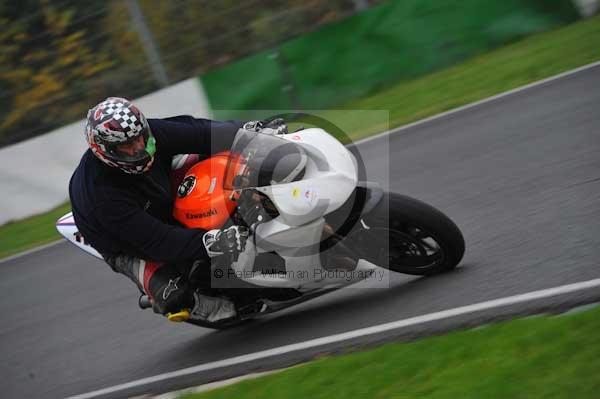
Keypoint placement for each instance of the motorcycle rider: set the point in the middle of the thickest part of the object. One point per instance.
(122, 203)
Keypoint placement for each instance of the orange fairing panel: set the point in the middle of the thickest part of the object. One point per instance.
(201, 200)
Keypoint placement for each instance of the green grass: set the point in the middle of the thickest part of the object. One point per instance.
(539, 357)
(28, 233)
(536, 57)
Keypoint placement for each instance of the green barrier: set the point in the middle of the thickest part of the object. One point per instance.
(252, 83)
(395, 41)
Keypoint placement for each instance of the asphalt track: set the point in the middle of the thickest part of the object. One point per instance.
(520, 175)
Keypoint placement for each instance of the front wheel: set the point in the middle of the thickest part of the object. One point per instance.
(409, 236)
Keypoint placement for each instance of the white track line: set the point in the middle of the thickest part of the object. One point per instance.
(481, 102)
(419, 122)
(31, 251)
(511, 300)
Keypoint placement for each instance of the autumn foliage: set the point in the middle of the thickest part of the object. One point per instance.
(61, 57)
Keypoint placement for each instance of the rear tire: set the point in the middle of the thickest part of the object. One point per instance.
(421, 240)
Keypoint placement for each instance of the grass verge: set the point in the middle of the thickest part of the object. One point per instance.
(31, 232)
(534, 58)
(539, 357)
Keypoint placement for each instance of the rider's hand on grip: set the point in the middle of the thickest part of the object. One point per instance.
(275, 126)
(231, 241)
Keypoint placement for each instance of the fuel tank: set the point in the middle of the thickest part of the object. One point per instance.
(201, 200)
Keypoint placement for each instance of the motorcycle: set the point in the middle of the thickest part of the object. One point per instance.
(314, 224)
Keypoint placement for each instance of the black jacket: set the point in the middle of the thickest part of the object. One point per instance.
(119, 213)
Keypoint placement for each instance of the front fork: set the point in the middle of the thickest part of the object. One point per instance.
(368, 196)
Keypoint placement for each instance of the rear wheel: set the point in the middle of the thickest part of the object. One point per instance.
(409, 236)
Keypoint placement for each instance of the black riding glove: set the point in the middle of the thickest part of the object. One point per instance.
(275, 126)
(230, 241)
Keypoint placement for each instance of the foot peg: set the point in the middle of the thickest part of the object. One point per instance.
(179, 317)
(183, 315)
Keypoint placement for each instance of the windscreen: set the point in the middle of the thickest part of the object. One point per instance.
(258, 160)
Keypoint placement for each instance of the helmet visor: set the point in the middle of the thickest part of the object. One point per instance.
(136, 149)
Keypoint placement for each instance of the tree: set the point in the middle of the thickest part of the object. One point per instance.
(44, 64)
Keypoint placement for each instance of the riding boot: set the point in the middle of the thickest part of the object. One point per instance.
(168, 289)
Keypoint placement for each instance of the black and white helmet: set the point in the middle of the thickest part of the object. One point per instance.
(114, 122)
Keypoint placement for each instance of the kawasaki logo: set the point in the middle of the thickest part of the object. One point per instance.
(210, 212)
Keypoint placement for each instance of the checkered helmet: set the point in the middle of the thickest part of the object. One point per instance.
(117, 121)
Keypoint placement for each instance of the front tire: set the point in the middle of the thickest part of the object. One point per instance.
(420, 239)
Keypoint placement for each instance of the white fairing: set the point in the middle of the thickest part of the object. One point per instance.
(329, 179)
(66, 227)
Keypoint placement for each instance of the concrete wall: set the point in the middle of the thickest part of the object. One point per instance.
(587, 8)
(34, 174)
